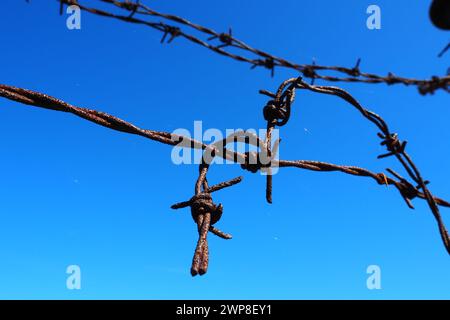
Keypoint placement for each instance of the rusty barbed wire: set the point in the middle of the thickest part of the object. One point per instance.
(284, 98)
(221, 42)
(205, 214)
(277, 111)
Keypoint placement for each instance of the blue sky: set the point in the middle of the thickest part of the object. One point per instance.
(76, 193)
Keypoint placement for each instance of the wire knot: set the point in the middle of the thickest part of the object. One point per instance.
(391, 79)
(201, 204)
(273, 112)
(431, 86)
(254, 161)
(407, 190)
(173, 31)
(130, 5)
(309, 72)
(225, 38)
(392, 143)
(381, 178)
(205, 214)
(268, 63)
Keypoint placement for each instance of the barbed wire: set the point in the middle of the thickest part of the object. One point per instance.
(222, 42)
(277, 113)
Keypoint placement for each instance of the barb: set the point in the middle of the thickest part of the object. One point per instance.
(205, 214)
(277, 112)
(443, 51)
(227, 44)
(394, 146)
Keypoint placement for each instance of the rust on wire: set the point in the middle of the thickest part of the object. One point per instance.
(253, 56)
(276, 113)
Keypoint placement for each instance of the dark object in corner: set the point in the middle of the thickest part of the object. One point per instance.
(440, 14)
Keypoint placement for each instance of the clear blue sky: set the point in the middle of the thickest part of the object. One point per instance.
(76, 193)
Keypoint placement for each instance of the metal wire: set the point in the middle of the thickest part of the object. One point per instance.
(224, 43)
(277, 112)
